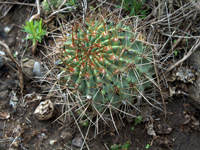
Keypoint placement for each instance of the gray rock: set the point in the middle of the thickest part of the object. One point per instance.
(7, 29)
(37, 70)
(194, 89)
(28, 64)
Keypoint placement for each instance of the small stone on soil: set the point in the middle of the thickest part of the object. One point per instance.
(66, 136)
(52, 142)
(37, 69)
(77, 142)
(7, 29)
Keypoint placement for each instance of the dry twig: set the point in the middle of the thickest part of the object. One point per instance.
(21, 78)
(196, 4)
(36, 16)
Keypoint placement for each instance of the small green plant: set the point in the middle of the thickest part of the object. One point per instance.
(125, 146)
(134, 7)
(132, 128)
(35, 29)
(175, 53)
(91, 7)
(138, 120)
(147, 146)
(55, 5)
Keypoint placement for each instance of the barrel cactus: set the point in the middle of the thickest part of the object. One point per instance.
(107, 64)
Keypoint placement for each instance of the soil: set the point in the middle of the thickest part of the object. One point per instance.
(177, 129)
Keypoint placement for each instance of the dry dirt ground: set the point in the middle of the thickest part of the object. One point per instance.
(177, 130)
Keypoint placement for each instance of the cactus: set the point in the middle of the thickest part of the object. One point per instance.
(107, 64)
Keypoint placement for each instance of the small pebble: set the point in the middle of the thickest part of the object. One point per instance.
(130, 52)
(77, 142)
(52, 142)
(7, 29)
(2, 53)
(37, 69)
(66, 136)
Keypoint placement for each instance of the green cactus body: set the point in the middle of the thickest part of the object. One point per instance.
(107, 64)
(54, 3)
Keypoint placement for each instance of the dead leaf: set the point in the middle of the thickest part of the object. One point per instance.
(4, 115)
(164, 141)
(185, 74)
(150, 129)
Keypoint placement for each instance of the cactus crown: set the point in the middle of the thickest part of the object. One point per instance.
(107, 64)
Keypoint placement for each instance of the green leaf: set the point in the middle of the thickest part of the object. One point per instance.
(126, 145)
(175, 53)
(147, 146)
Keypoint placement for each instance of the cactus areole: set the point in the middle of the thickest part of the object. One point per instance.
(107, 64)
